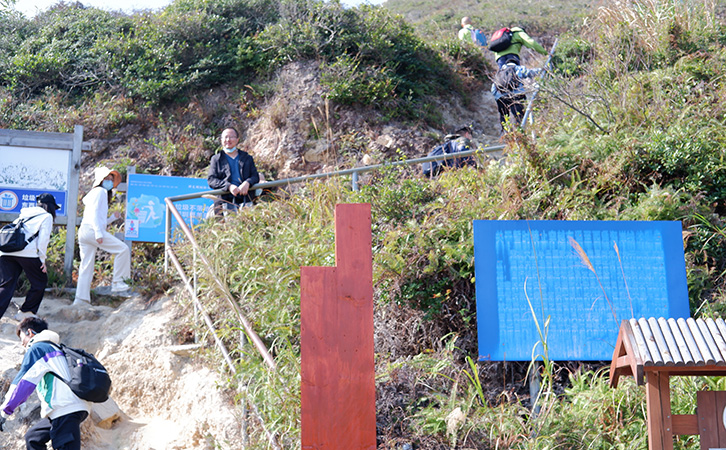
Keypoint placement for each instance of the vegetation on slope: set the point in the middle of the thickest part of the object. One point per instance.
(368, 56)
(443, 19)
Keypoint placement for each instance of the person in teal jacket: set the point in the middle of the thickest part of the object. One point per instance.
(61, 410)
(511, 54)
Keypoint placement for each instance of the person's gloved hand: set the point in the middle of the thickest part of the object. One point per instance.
(3, 418)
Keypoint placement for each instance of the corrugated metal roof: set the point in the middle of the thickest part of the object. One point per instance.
(679, 342)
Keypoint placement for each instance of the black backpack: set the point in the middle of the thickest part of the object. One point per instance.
(433, 168)
(507, 81)
(501, 40)
(12, 236)
(89, 379)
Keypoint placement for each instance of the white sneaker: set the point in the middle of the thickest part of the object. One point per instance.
(23, 315)
(81, 302)
(120, 287)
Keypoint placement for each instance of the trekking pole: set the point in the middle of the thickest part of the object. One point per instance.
(546, 66)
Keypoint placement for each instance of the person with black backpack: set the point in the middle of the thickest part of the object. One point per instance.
(510, 92)
(458, 141)
(36, 224)
(506, 44)
(61, 410)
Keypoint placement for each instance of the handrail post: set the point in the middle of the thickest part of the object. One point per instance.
(534, 95)
(354, 181)
(167, 232)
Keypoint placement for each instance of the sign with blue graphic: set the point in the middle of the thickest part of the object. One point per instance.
(16, 199)
(27, 172)
(559, 289)
(146, 209)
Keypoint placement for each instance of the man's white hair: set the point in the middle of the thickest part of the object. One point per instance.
(465, 21)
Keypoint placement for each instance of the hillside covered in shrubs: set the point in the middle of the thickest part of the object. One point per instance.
(629, 125)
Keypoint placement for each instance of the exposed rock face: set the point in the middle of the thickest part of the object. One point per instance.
(288, 125)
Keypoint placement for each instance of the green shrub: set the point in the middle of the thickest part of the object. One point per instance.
(348, 84)
(572, 56)
(61, 51)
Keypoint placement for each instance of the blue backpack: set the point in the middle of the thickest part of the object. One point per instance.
(479, 37)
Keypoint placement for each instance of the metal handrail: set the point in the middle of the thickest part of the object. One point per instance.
(217, 340)
(546, 66)
(171, 210)
(354, 170)
(228, 296)
(198, 305)
(169, 253)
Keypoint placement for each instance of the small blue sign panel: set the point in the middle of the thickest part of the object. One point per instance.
(146, 209)
(569, 284)
(13, 200)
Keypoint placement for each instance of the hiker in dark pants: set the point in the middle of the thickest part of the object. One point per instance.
(519, 38)
(61, 410)
(510, 92)
(31, 259)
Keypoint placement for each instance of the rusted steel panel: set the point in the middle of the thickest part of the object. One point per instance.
(336, 306)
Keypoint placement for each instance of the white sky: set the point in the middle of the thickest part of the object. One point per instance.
(32, 7)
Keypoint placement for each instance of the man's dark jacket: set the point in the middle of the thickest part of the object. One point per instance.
(220, 174)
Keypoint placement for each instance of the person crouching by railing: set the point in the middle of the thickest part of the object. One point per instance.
(234, 171)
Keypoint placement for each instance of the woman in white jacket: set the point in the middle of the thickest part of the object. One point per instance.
(31, 259)
(92, 235)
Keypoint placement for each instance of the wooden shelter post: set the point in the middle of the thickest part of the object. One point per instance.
(658, 406)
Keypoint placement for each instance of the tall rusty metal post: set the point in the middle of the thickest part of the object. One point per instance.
(338, 392)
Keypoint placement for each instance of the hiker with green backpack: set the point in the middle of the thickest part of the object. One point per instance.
(507, 42)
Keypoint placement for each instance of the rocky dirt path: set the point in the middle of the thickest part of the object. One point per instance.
(167, 400)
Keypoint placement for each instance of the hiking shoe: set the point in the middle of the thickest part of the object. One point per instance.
(23, 315)
(119, 287)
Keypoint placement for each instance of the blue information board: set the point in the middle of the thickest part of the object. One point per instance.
(577, 280)
(146, 209)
